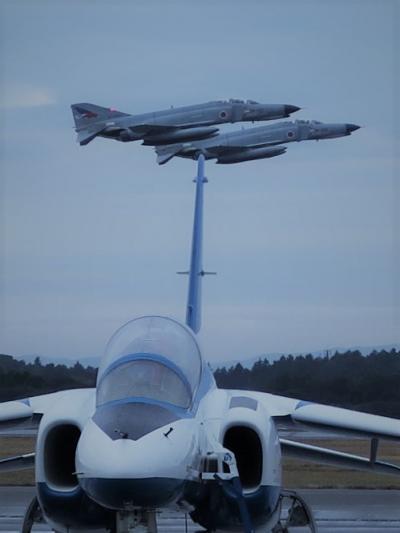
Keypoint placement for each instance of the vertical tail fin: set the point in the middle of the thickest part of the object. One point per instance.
(90, 120)
(196, 273)
(86, 114)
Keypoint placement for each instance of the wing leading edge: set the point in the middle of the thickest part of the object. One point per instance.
(30, 410)
(326, 418)
(16, 411)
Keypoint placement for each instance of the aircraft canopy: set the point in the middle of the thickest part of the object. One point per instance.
(150, 357)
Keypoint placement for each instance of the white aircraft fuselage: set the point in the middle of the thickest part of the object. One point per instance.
(144, 435)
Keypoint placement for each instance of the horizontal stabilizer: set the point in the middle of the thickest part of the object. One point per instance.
(20, 462)
(90, 120)
(316, 454)
(162, 159)
(85, 136)
(166, 153)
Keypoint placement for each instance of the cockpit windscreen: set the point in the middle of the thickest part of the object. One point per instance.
(151, 357)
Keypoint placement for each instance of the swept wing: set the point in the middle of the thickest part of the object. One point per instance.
(166, 153)
(16, 411)
(326, 418)
(233, 152)
(29, 411)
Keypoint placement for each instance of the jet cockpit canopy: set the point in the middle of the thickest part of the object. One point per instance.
(153, 358)
(308, 122)
(237, 101)
(240, 101)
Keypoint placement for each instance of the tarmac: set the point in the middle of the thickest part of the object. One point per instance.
(335, 511)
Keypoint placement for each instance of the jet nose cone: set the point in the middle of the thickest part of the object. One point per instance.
(352, 127)
(291, 109)
(149, 471)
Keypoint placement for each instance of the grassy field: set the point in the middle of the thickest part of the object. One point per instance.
(10, 446)
(295, 473)
(312, 475)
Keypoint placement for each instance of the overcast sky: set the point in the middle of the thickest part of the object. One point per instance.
(305, 244)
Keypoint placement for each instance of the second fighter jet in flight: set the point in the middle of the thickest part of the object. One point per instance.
(254, 143)
(172, 125)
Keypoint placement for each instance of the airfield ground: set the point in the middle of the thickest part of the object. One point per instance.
(335, 511)
(295, 473)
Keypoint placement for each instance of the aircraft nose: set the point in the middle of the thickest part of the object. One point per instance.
(121, 494)
(352, 127)
(291, 109)
(145, 470)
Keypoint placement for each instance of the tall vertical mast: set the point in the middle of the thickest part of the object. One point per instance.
(196, 272)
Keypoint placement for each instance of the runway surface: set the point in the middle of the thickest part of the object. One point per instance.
(336, 511)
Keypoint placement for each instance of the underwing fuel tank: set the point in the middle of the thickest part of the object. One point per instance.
(250, 154)
(189, 134)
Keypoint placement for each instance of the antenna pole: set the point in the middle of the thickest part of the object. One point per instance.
(196, 272)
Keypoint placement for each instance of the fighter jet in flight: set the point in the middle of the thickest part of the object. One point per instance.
(172, 125)
(254, 143)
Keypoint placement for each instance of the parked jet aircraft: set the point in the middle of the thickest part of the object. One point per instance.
(171, 125)
(254, 143)
(157, 433)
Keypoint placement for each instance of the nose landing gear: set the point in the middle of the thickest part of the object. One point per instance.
(136, 521)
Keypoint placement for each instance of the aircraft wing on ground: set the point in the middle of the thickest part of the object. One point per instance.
(326, 417)
(29, 411)
(32, 409)
(294, 413)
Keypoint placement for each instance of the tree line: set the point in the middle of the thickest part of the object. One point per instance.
(19, 379)
(367, 383)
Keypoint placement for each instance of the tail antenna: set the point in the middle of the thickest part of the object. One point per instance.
(196, 272)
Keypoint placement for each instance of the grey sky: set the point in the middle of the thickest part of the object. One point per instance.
(304, 244)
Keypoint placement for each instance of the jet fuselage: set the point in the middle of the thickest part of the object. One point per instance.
(254, 143)
(164, 127)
